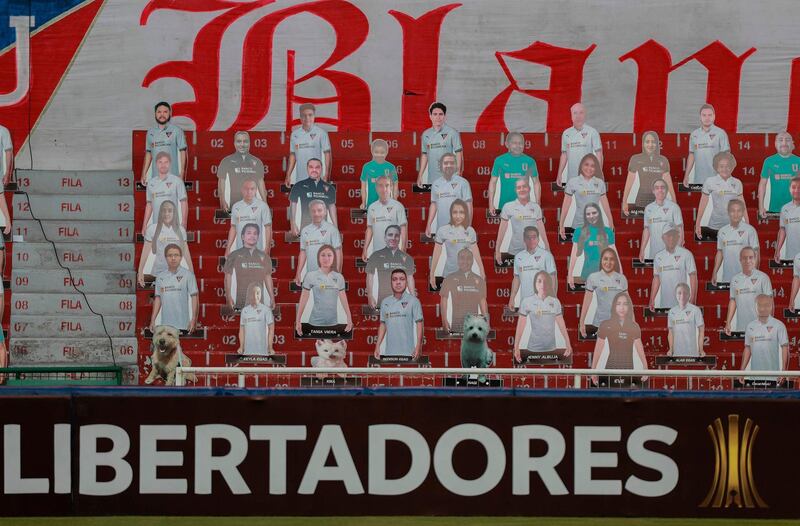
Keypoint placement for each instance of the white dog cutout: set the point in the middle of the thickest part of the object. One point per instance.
(330, 354)
(166, 353)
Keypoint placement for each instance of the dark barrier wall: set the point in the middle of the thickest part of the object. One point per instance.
(399, 455)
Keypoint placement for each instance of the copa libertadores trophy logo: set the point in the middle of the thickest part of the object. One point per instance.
(733, 483)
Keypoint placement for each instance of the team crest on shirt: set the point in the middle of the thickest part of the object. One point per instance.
(712, 135)
(169, 185)
(169, 134)
(665, 210)
(312, 135)
(454, 185)
(525, 166)
(769, 328)
(444, 136)
(795, 167)
(753, 280)
(254, 208)
(677, 258)
(323, 232)
(389, 209)
(179, 278)
(404, 304)
(537, 258)
(584, 134)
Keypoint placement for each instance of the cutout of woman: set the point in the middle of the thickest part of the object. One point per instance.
(454, 236)
(167, 230)
(589, 241)
(588, 187)
(622, 336)
(329, 289)
(601, 286)
(650, 166)
(256, 325)
(543, 313)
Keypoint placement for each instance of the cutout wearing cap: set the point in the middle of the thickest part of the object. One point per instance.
(671, 227)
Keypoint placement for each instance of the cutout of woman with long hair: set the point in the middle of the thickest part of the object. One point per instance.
(329, 289)
(589, 241)
(167, 230)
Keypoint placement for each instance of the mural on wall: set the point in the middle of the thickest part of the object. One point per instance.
(80, 74)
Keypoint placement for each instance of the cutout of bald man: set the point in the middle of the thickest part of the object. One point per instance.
(576, 142)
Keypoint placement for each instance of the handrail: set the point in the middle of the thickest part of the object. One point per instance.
(425, 371)
(39, 373)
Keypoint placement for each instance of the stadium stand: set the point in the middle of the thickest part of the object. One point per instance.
(351, 150)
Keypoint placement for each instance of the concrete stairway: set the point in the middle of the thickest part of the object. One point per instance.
(88, 215)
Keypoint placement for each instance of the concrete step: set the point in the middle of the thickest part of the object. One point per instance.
(29, 326)
(88, 281)
(25, 351)
(110, 256)
(74, 304)
(70, 182)
(69, 208)
(74, 231)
